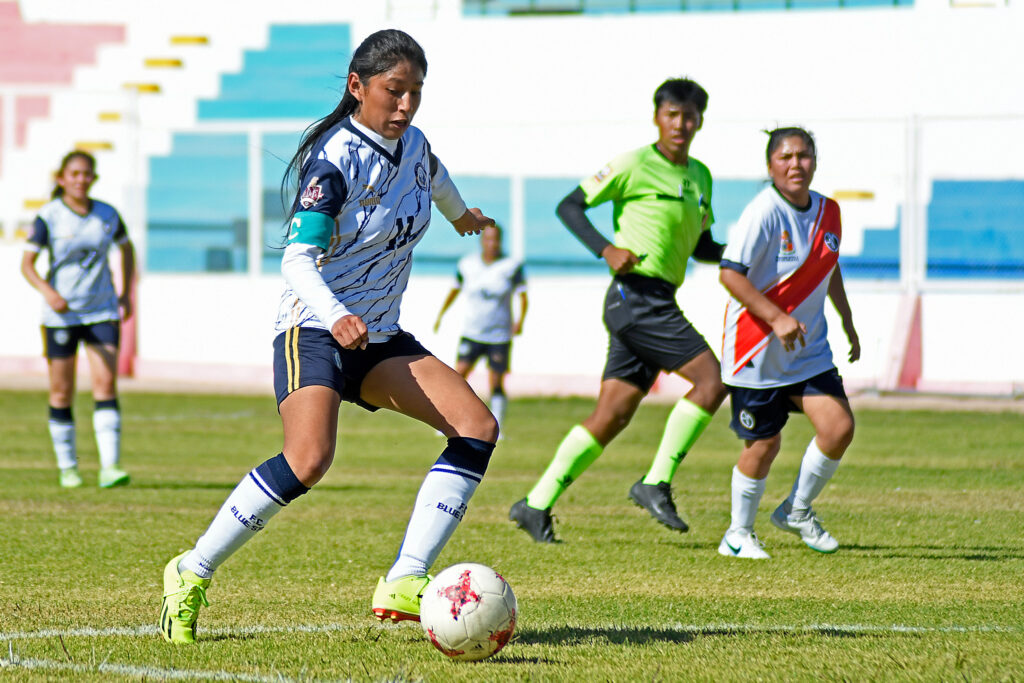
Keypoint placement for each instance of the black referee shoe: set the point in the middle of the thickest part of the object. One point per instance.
(535, 522)
(657, 499)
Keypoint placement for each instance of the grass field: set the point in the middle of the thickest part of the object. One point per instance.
(927, 586)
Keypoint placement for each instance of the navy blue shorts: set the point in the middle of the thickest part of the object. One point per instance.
(306, 356)
(647, 331)
(62, 342)
(497, 354)
(762, 413)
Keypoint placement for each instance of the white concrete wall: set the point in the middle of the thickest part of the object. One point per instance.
(560, 96)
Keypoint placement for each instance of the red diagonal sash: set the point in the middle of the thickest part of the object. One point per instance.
(752, 333)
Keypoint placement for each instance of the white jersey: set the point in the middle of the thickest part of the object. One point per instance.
(489, 288)
(789, 256)
(379, 201)
(77, 247)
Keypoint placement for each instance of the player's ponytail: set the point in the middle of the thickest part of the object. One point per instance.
(378, 53)
(58, 191)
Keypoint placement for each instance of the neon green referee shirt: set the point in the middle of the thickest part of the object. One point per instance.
(659, 209)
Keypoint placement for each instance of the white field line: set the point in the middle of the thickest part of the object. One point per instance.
(161, 674)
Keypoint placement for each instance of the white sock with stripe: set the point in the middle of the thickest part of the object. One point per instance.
(62, 434)
(259, 496)
(440, 504)
(106, 423)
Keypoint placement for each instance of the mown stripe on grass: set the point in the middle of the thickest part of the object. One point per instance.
(148, 672)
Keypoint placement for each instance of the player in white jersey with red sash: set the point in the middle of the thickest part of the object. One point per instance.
(367, 179)
(81, 305)
(779, 267)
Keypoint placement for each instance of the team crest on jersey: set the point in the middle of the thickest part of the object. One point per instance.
(746, 419)
(832, 241)
(603, 173)
(787, 243)
(370, 199)
(312, 194)
(422, 179)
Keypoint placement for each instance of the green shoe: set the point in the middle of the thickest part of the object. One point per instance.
(184, 594)
(112, 476)
(399, 600)
(70, 478)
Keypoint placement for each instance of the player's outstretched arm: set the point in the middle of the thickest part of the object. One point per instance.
(472, 222)
(788, 329)
(448, 301)
(837, 292)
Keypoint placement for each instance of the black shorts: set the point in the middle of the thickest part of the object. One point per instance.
(647, 331)
(306, 356)
(62, 342)
(497, 354)
(762, 413)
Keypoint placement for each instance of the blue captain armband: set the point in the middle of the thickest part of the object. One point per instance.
(310, 227)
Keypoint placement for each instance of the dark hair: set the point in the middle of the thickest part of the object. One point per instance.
(378, 53)
(681, 91)
(775, 138)
(58, 191)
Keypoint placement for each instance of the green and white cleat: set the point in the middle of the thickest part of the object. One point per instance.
(184, 594)
(112, 476)
(399, 600)
(70, 478)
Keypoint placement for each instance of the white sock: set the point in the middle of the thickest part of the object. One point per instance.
(63, 436)
(106, 422)
(816, 469)
(440, 506)
(498, 405)
(243, 514)
(746, 496)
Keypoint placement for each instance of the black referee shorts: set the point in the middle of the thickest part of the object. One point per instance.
(647, 331)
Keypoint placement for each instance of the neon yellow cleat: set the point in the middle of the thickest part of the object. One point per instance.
(70, 478)
(112, 476)
(184, 594)
(399, 600)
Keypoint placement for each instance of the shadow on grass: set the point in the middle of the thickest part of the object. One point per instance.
(937, 552)
(632, 635)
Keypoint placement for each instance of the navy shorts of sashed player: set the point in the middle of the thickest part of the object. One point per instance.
(306, 356)
(647, 331)
(62, 342)
(497, 354)
(762, 413)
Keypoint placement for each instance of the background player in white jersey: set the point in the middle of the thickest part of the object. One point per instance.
(366, 180)
(490, 280)
(779, 267)
(81, 305)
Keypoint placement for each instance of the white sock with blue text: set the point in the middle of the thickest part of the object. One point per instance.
(441, 504)
(259, 496)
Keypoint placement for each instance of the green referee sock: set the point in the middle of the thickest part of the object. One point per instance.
(578, 450)
(685, 424)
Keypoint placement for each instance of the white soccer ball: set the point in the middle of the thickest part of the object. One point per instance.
(468, 611)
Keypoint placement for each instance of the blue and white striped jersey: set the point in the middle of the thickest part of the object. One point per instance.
(77, 247)
(378, 201)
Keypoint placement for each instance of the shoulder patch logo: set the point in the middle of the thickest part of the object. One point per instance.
(832, 241)
(602, 174)
(746, 419)
(422, 178)
(312, 194)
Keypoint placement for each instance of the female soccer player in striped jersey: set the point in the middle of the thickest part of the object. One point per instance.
(81, 305)
(366, 181)
(776, 359)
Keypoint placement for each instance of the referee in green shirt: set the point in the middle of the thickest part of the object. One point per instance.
(661, 199)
